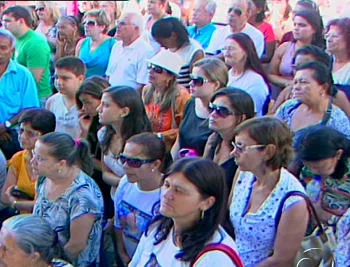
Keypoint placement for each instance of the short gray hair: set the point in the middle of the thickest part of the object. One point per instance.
(8, 35)
(136, 19)
(34, 234)
(210, 6)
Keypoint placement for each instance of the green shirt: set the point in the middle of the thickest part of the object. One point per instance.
(33, 51)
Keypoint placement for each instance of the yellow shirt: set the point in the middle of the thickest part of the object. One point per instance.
(24, 181)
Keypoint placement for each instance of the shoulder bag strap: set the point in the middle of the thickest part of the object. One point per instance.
(223, 248)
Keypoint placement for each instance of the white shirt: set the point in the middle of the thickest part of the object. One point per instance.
(252, 83)
(163, 254)
(127, 64)
(217, 41)
(67, 120)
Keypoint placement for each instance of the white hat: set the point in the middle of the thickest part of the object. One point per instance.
(168, 60)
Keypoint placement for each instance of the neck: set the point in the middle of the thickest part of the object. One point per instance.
(158, 16)
(66, 177)
(116, 126)
(23, 32)
(130, 40)
(266, 178)
(48, 23)
(96, 38)
(205, 102)
(237, 28)
(200, 26)
(3, 67)
(152, 182)
(183, 224)
(226, 135)
(237, 69)
(341, 57)
(320, 106)
(302, 43)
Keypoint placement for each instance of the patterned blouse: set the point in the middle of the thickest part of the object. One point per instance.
(81, 198)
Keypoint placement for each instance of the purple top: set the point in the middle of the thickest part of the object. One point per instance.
(286, 68)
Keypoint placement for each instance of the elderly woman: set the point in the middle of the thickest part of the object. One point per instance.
(262, 149)
(28, 240)
(208, 76)
(228, 108)
(312, 103)
(192, 205)
(172, 34)
(164, 99)
(67, 197)
(96, 48)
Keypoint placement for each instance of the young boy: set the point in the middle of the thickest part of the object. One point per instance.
(69, 75)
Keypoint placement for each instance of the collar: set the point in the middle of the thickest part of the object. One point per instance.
(12, 67)
(134, 43)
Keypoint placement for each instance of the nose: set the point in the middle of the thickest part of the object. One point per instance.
(99, 107)
(167, 194)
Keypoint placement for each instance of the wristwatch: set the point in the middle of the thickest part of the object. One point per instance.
(8, 124)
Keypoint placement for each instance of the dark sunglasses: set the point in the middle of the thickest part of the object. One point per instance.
(235, 10)
(90, 23)
(198, 80)
(221, 111)
(155, 68)
(40, 9)
(134, 162)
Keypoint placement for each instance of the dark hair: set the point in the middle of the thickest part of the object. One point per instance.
(309, 4)
(240, 100)
(323, 142)
(64, 147)
(93, 86)
(163, 28)
(318, 53)
(40, 119)
(72, 64)
(270, 130)
(135, 122)
(261, 4)
(252, 62)
(344, 25)
(315, 20)
(20, 12)
(152, 146)
(321, 73)
(209, 179)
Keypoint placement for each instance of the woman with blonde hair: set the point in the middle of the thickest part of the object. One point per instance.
(208, 76)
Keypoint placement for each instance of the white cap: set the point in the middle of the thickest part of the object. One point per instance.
(168, 60)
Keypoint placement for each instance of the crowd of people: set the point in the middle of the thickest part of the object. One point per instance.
(131, 139)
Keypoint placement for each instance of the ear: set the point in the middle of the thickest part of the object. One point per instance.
(125, 112)
(35, 257)
(242, 118)
(217, 86)
(208, 203)
(270, 151)
(62, 164)
(339, 154)
(156, 164)
(81, 78)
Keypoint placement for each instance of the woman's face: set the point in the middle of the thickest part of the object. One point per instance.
(306, 89)
(324, 167)
(91, 27)
(42, 12)
(65, 29)
(170, 42)
(249, 155)
(43, 163)
(27, 136)
(222, 116)
(233, 53)
(200, 85)
(154, 7)
(159, 77)
(109, 112)
(90, 104)
(135, 152)
(11, 255)
(335, 40)
(302, 29)
(180, 199)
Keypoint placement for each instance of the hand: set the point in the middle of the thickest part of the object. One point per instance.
(10, 197)
(5, 137)
(85, 122)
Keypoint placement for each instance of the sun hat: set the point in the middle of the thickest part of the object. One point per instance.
(168, 60)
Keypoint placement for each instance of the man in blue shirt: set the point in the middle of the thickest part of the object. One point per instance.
(18, 91)
(202, 28)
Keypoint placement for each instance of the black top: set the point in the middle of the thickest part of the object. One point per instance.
(194, 131)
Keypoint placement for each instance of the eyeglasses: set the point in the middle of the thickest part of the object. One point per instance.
(155, 68)
(235, 10)
(134, 162)
(40, 9)
(90, 23)
(30, 134)
(332, 35)
(198, 80)
(242, 148)
(221, 111)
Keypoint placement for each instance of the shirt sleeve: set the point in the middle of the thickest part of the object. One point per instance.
(118, 197)
(30, 95)
(215, 258)
(38, 55)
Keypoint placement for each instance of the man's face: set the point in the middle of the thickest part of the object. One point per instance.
(201, 16)
(11, 24)
(238, 14)
(6, 49)
(125, 29)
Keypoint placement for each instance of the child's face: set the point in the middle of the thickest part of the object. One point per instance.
(67, 82)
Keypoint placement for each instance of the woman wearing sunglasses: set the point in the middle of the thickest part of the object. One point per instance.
(123, 114)
(192, 205)
(246, 70)
(228, 108)
(164, 99)
(18, 190)
(138, 193)
(96, 48)
(208, 76)
(262, 150)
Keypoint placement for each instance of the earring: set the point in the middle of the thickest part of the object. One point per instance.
(59, 170)
(152, 170)
(202, 214)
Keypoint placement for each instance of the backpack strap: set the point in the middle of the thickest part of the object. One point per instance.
(223, 248)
